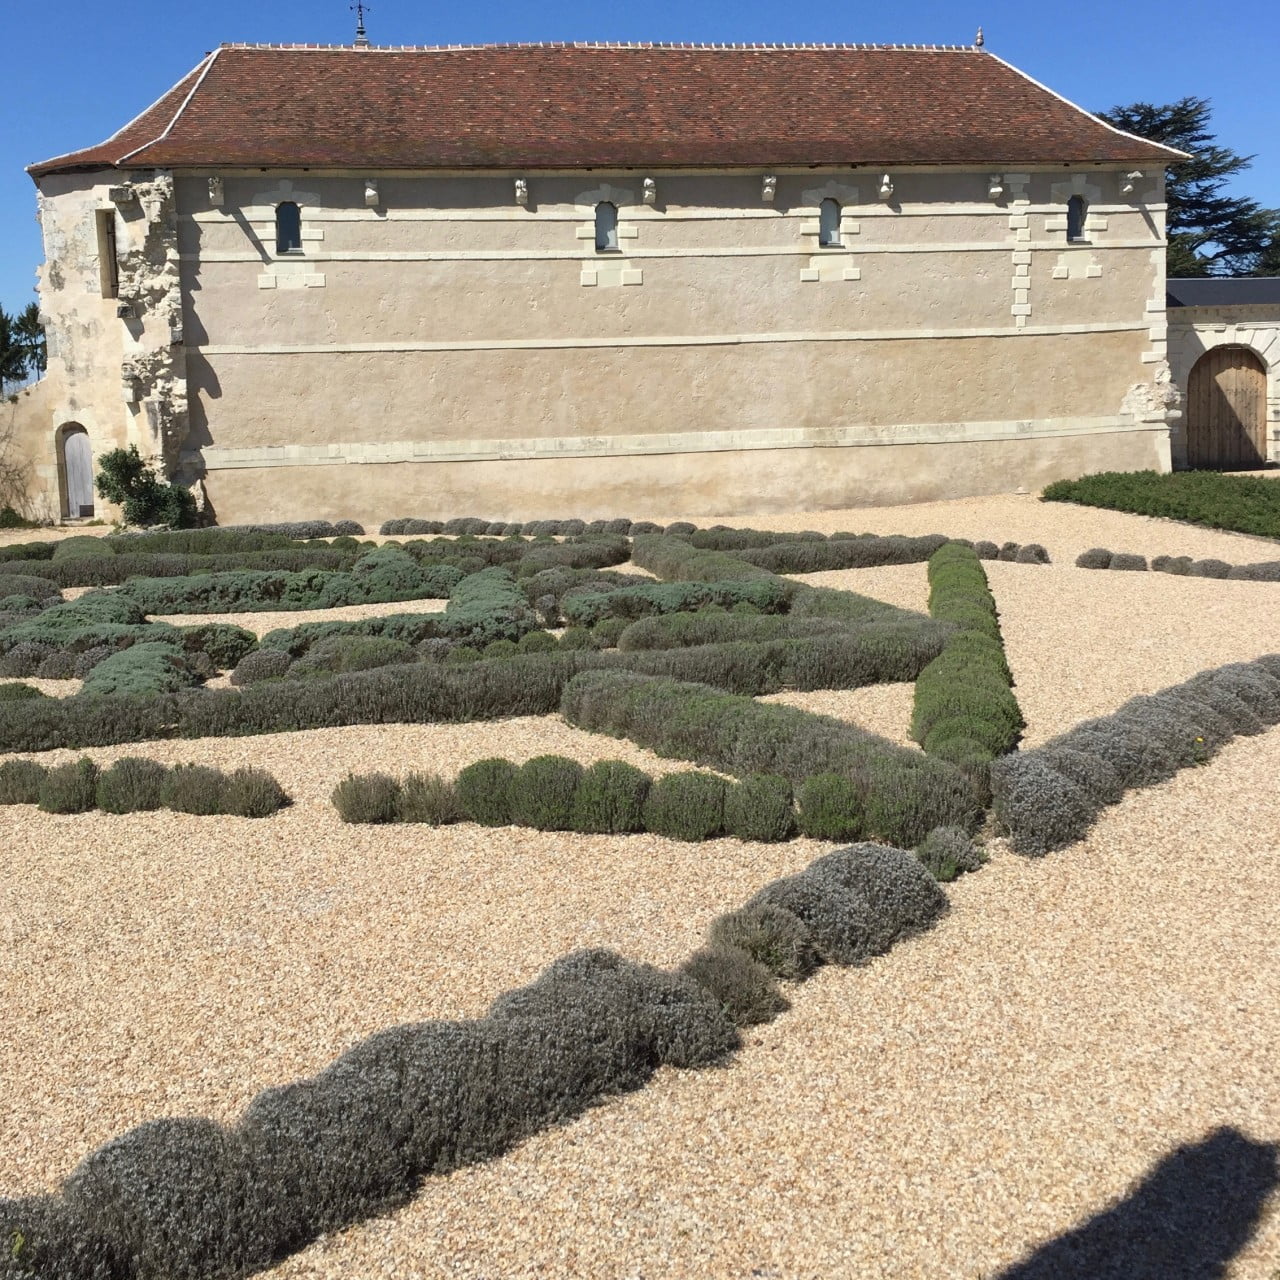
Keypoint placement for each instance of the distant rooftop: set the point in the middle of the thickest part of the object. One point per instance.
(560, 106)
(1224, 291)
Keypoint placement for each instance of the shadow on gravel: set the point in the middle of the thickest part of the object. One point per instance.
(1188, 1218)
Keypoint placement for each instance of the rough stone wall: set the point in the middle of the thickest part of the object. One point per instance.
(121, 377)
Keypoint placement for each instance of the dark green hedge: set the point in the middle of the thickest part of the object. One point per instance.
(865, 551)
(1245, 504)
(585, 608)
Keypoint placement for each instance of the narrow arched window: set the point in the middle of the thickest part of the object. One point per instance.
(1077, 210)
(288, 227)
(606, 227)
(829, 224)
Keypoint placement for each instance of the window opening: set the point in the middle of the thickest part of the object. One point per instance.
(108, 263)
(606, 227)
(829, 224)
(288, 228)
(1077, 210)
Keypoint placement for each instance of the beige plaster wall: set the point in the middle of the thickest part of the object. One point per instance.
(445, 322)
(744, 483)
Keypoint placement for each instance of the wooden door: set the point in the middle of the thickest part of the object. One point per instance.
(77, 460)
(1227, 410)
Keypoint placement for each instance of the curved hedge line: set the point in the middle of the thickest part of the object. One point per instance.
(1180, 566)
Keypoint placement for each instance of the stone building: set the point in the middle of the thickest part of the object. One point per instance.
(565, 279)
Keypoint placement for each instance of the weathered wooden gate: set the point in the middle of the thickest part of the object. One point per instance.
(1227, 410)
(77, 469)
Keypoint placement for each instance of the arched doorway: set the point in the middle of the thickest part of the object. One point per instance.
(75, 465)
(1227, 410)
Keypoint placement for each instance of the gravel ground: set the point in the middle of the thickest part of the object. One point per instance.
(939, 1113)
(54, 688)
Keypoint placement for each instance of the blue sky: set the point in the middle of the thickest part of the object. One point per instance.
(73, 72)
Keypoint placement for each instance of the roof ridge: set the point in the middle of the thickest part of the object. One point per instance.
(597, 44)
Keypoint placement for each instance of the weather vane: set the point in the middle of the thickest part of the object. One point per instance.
(358, 9)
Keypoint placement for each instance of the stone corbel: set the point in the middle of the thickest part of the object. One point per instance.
(522, 192)
(1130, 183)
(886, 188)
(123, 194)
(768, 188)
(650, 191)
(216, 193)
(995, 186)
(371, 196)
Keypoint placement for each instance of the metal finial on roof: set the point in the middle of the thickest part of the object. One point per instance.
(362, 38)
(978, 39)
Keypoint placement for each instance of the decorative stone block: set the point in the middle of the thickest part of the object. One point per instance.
(632, 275)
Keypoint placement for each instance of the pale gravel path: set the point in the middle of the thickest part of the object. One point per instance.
(54, 688)
(939, 1113)
(879, 708)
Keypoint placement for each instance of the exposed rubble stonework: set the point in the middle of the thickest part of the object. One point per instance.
(766, 324)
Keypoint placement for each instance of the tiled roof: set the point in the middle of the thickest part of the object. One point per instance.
(1224, 291)
(605, 106)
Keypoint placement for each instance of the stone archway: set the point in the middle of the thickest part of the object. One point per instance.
(1227, 410)
(75, 471)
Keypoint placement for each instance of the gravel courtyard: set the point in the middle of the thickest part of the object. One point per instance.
(945, 1111)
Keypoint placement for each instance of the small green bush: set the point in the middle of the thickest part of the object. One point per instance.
(428, 798)
(124, 478)
(610, 798)
(760, 808)
(537, 642)
(20, 781)
(948, 852)
(686, 806)
(484, 791)
(131, 785)
(19, 693)
(576, 638)
(1094, 558)
(252, 793)
(501, 649)
(261, 664)
(80, 547)
(746, 989)
(70, 788)
(194, 788)
(773, 936)
(139, 671)
(1125, 562)
(226, 645)
(607, 631)
(830, 807)
(542, 793)
(367, 797)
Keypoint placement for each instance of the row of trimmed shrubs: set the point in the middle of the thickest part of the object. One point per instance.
(475, 525)
(964, 708)
(134, 785)
(870, 550)
(525, 684)
(382, 575)
(1245, 504)
(611, 797)
(1182, 566)
(194, 1199)
(1048, 798)
(894, 794)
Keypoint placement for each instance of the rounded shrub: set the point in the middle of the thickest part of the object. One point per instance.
(70, 788)
(86, 661)
(948, 852)
(1209, 569)
(484, 791)
(1127, 563)
(261, 664)
(830, 807)
(1032, 553)
(59, 665)
(131, 785)
(760, 807)
(501, 649)
(24, 659)
(747, 991)
(1180, 565)
(194, 788)
(367, 797)
(607, 631)
(543, 791)
(771, 935)
(686, 806)
(576, 638)
(610, 798)
(537, 642)
(19, 693)
(1094, 558)
(428, 798)
(252, 793)
(81, 547)
(20, 781)
(1039, 807)
(461, 654)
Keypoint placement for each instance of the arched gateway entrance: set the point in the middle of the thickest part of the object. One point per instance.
(75, 468)
(1227, 410)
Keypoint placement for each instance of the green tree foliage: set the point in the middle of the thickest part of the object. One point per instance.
(1211, 233)
(31, 337)
(13, 354)
(124, 478)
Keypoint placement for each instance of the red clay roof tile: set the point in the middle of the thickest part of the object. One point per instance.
(605, 106)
